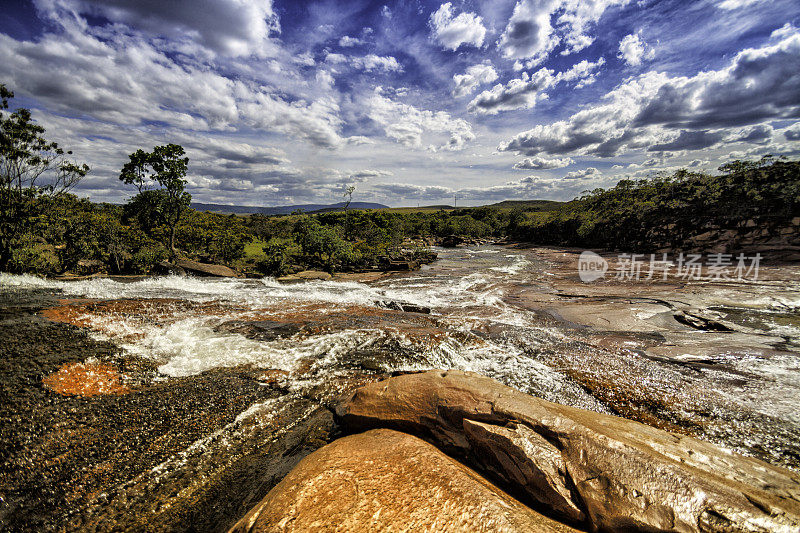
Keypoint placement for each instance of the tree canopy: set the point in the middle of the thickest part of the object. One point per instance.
(166, 168)
(31, 167)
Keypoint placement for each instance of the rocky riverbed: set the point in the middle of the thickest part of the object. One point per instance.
(178, 403)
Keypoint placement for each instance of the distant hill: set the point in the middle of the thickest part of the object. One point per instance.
(528, 205)
(282, 209)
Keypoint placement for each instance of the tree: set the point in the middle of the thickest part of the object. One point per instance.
(32, 170)
(166, 167)
(348, 192)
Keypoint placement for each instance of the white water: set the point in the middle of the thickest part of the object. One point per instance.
(468, 293)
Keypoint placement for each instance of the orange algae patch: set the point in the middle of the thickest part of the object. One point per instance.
(100, 315)
(86, 379)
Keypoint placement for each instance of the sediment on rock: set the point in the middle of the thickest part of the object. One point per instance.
(613, 473)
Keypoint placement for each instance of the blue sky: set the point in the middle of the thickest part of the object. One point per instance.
(283, 102)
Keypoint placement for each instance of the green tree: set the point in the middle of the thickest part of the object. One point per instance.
(166, 167)
(321, 242)
(32, 170)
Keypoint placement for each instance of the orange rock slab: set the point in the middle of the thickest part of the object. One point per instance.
(384, 480)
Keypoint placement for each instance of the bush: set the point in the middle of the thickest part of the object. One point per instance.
(275, 262)
(143, 261)
(34, 257)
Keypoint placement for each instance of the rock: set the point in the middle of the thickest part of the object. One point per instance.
(306, 275)
(260, 330)
(383, 480)
(165, 268)
(619, 474)
(451, 241)
(406, 307)
(696, 321)
(402, 266)
(204, 269)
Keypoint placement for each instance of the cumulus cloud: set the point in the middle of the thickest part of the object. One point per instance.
(474, 76)
(541, 163)
(452, 32)
(792, 133)
(582, 174)
(654, 109)
(526, 91)
(125, 80)
(529, 33)
(537, 27)
(229, 27)
(633, 50)
(519, 93)
(757, 134)
(347, 41)
(368, 62)
(374, 62)
(414, 128)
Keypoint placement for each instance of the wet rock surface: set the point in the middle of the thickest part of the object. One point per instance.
(191, 453)
(227, 383)
(613, 473)
(383, 480)
(204, 269)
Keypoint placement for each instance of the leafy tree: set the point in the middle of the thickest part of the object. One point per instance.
(32, 170)
(321, 242)
(166, 167)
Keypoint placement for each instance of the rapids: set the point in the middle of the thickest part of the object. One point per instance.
(519, 316)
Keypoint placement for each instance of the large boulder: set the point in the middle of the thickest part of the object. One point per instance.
(383, 480)
(613, 473)
(204, 269)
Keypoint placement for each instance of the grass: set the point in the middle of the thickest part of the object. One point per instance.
(254, 249)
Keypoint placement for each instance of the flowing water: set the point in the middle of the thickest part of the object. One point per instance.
(518, 316)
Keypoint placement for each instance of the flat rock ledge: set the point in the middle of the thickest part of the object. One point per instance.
(384, 480)
(591, 470)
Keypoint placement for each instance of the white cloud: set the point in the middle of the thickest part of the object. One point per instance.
(633, 50)
(541, 163)
(229, 27)
(792, 133)
(347, 41)
(411, 191)
(582, 174)
(414, 128)
(674, 113)
(374, 62)
(532, 33)
(125, 80)
(452, 32)
(474, 76)
(735, 4)
(529, 33)
(526, 91)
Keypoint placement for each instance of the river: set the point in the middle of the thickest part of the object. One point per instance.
(520, 316)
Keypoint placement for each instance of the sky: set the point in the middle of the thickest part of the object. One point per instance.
(414, 103)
